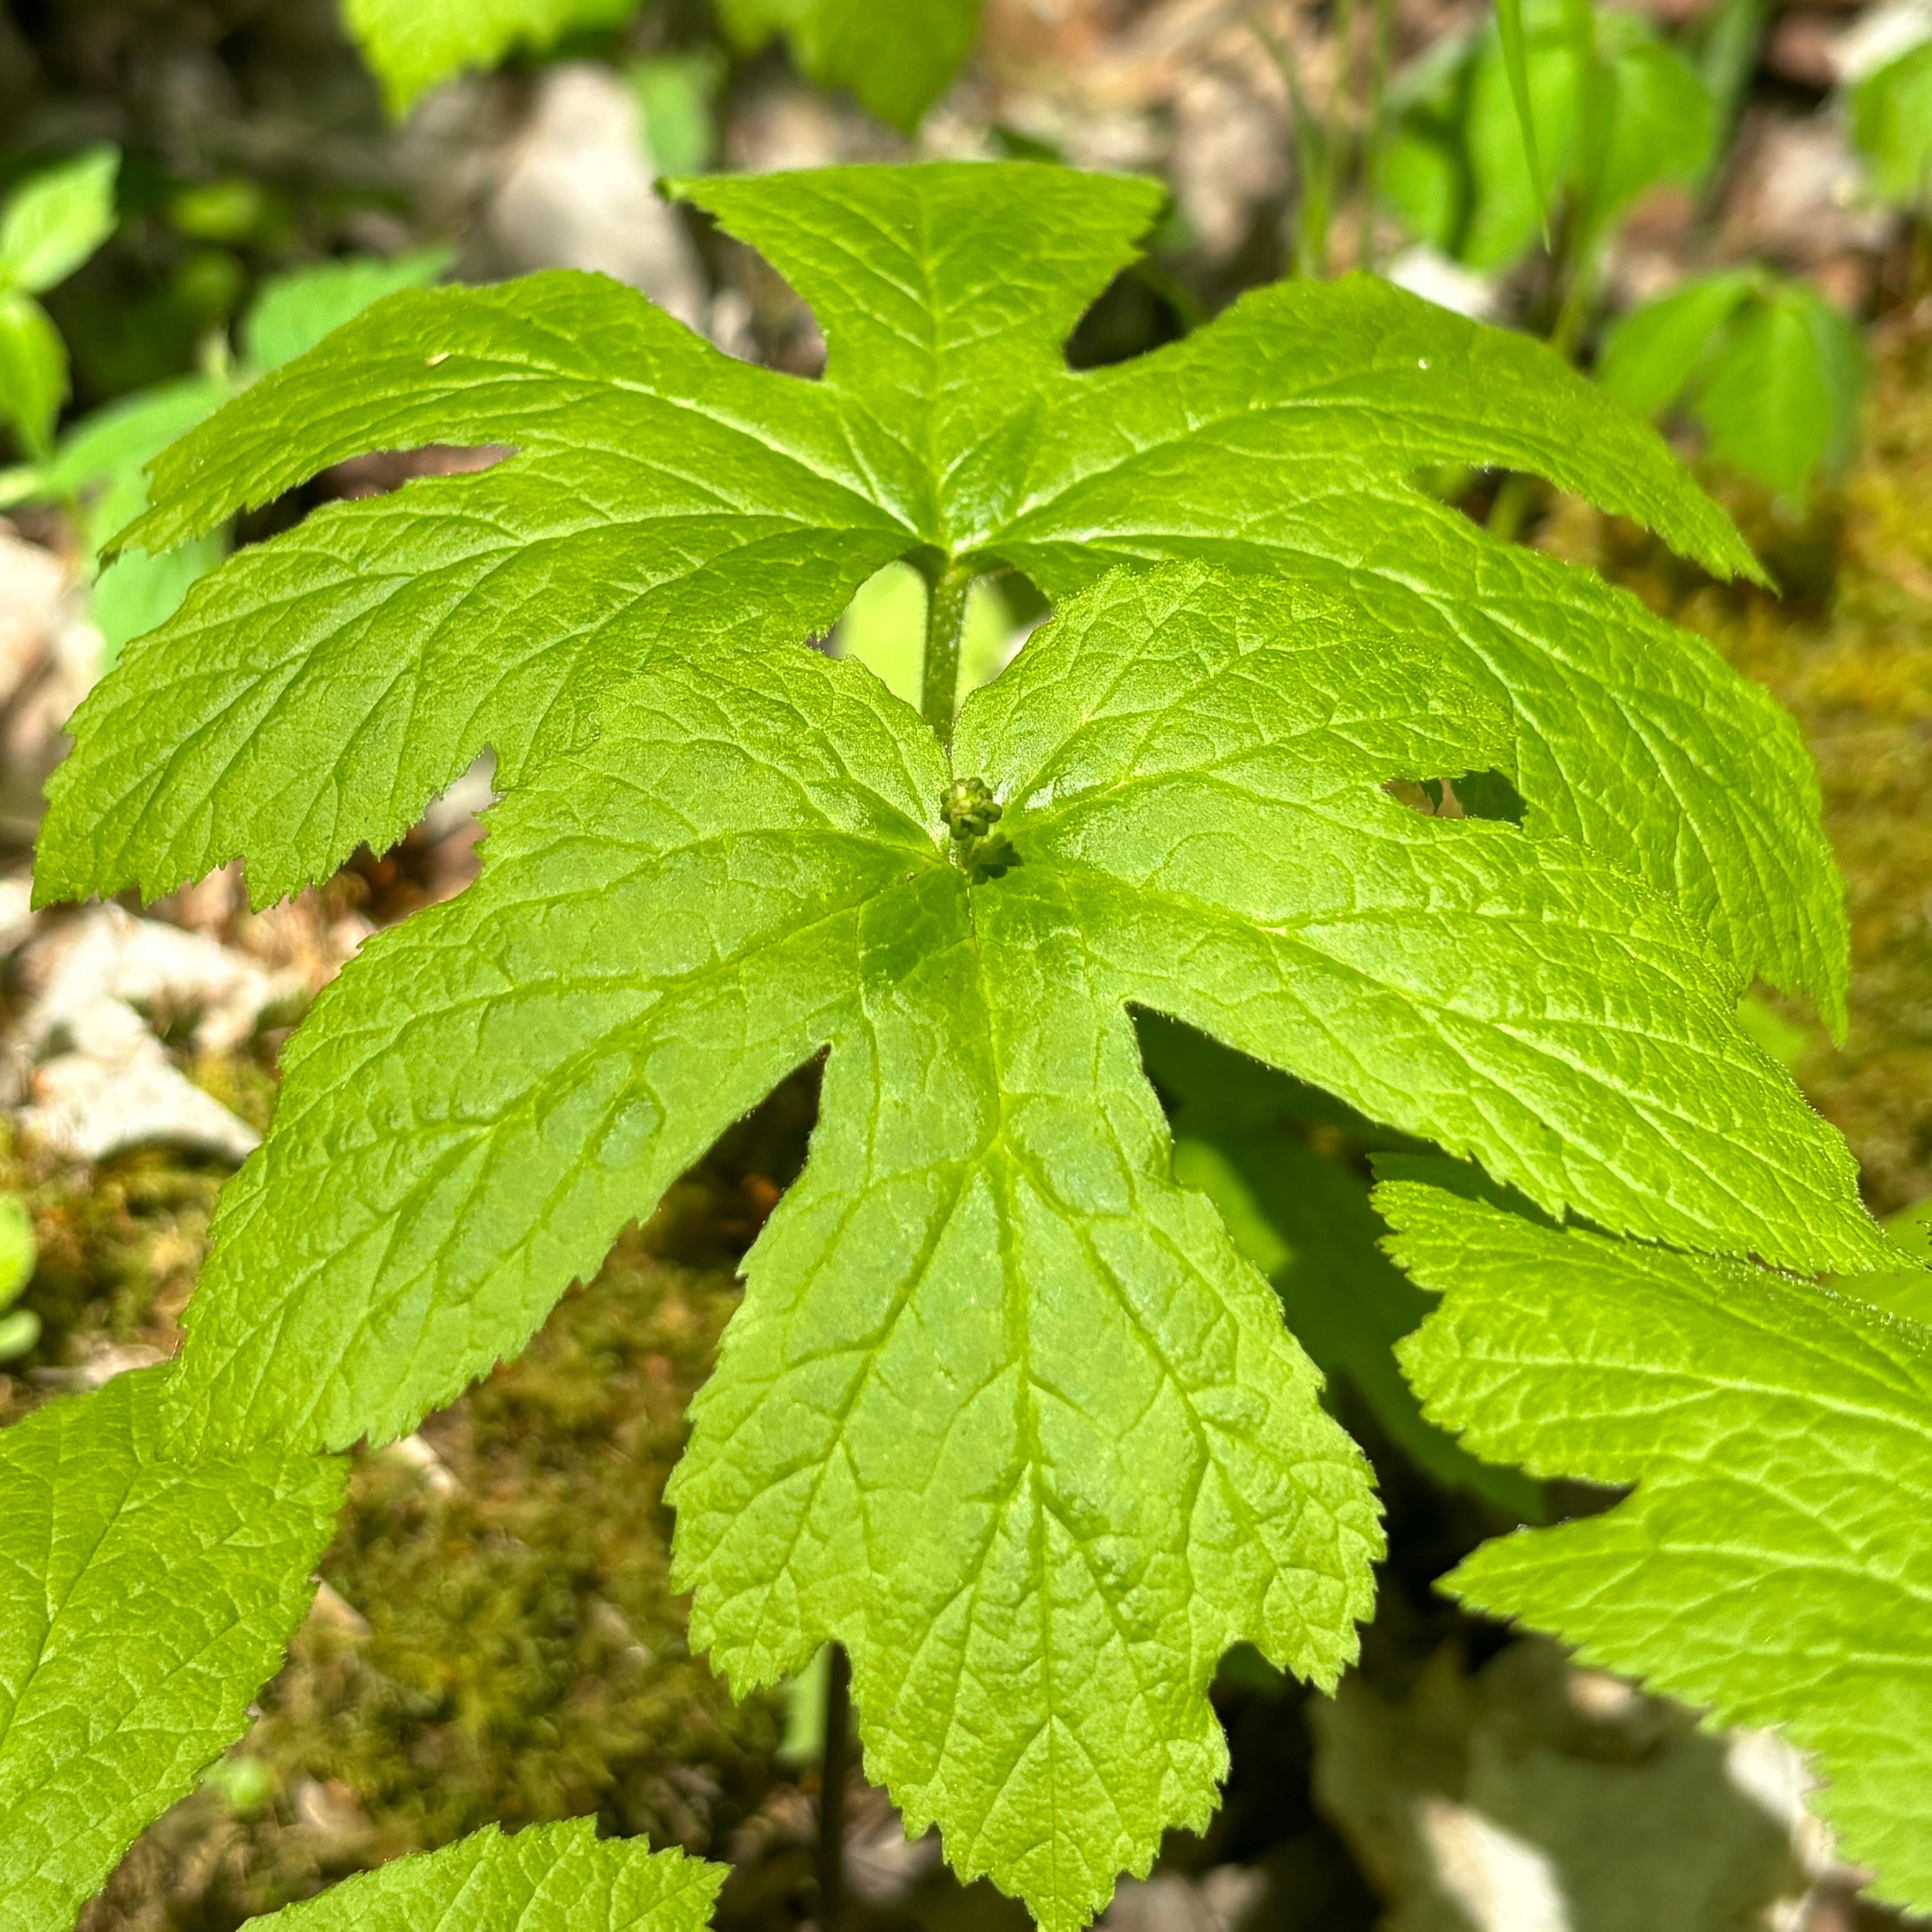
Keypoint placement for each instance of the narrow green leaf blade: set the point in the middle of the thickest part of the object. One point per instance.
(1771, 1563)
(143, 1601)
(1516, 64)
(52, 223)
(550, 1878)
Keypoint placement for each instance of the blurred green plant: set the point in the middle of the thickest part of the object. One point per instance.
(1892, 122)
(20, 1328)
(1771, 371)
(895, 59)
(1613, 110)
(48, 228)
(98, 471)
(677, 95)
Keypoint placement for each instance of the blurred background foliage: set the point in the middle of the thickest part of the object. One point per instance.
(1721, 209)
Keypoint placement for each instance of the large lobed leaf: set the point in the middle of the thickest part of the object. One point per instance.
(551, 1878)
(1775, 1560)
(143, 1601)
(1004, 1408)
(320, 689)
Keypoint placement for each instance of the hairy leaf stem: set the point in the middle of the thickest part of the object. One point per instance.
(945, 621)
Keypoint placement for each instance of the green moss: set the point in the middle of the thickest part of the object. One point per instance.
(118, 1248)
(498, 1640)
(1849, 651)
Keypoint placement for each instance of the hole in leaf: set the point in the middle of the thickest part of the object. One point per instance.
(1489, 795)
(884, 628)
(1136, 312)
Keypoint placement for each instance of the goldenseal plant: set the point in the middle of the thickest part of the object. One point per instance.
(1005, 1409)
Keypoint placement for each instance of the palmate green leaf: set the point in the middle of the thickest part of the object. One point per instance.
(318, 691)
(551, 1878)
(1774, 1561)
(1003, 1409)
(895, 58)
(143, 1600)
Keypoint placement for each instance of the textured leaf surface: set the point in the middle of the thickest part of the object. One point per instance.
(551, 1878)
(142, 1603)
(1775, 1560)
(895, 58)
(1004, 1408)
(318, 691)
(1305, 1222)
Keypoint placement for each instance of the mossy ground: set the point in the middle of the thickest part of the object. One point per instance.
(1848, 649)
(499, 1639)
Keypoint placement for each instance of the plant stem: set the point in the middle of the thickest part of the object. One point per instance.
(945, 621)
(831, 1789)
(1309, 246)
(1381, 30)
(1336, 129)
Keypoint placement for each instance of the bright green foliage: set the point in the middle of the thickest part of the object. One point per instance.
(20, 1329)
(665, 492)
(1004, 1409)
(1458, 171)
(143, 1601)
(1892, 121)
(895, 59)
(552, 1878)
(48, 228)
(1773, 372)
(677, 94)
(52, 224)
(884, 628)
(1305, 1222)
(99, 468)
(295, 311)
(1772, 1561)
(413, 44)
